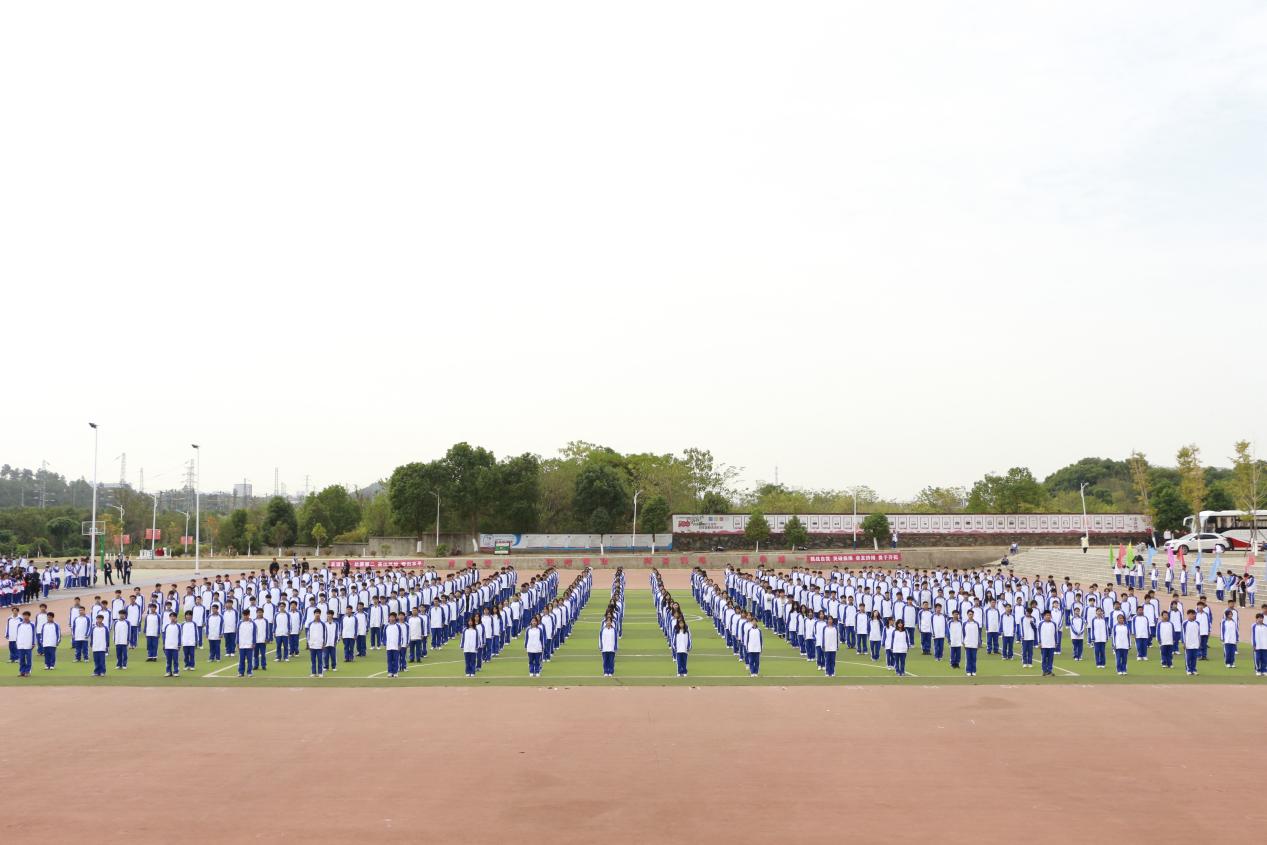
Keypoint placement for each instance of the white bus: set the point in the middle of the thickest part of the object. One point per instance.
(1240, 527)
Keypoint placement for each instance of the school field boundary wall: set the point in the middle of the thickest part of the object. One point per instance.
(920, 558)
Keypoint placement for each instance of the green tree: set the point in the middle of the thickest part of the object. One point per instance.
(940, 500)
(876, 528)
(600, 521)
(1192, 484)
(232, 533)
(516, 494)
(410, 494)
(713, 502)
(470, 481)
(1016, 492)
(1168, 507)
(758, 528)
(600, 485)
(653, 518)
(1137, 464)
(280, 526)
(333, 507)
(319, 535)
(1246, 486)
(60, 528)
(795, 533)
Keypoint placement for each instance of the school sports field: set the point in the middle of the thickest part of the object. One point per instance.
(644, 757)
(643, 660)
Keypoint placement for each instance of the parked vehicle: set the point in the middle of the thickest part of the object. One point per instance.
(1207, 541)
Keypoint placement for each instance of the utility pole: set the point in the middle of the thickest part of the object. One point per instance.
(92, 530)
(197, 512)
(43, 484)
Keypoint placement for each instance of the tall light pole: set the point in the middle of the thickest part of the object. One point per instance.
(634, 536)
(153, 526)
(122, 526)
(1082, 492)
(183, 542)
(197, 509)
(436, 550)
(92, 530)
(855, 518)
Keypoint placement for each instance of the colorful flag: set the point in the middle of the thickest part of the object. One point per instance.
(1250, 560)
(1170, 557)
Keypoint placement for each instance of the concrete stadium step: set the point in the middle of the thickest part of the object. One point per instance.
(1089, 568)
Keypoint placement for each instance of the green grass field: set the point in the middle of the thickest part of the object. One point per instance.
(643, 660)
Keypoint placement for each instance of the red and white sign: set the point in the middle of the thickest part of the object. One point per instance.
(856, 557)
(376, 563)
(186, 539)
(153, 533)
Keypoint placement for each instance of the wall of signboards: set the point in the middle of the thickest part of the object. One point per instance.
(923, 523)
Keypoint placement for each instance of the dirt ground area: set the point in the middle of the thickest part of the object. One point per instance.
(630, 765)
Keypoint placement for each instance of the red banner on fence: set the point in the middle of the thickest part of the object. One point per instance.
(153, 533)
(856, 557)
(186, 539)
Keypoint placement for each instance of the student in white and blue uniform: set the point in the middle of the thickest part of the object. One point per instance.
(752, 646)
(215, 633)
(1098, 633)
(1121, 642)
(534, 645)
(471, 646)
(22, 642)
(99, 643)
(1166, 639)
(607, 644)
(260, 649)
(829, 642)
(971, 644)
(682, 647)
(245, 646)
(390, 639)
(1258, 640)
(1191, 642)
(121, 633)
(1047, 643)
(1230, 634)
(50, 638)
(171, 646)
(188, 639)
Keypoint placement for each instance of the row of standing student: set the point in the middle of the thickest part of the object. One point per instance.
(736, 625)
(672, 623)
(546, 630)
(246, 635)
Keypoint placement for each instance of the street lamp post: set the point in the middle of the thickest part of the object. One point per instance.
(436, 550)
(633, 537)
(183, 542)
(855, 518)
(1082, 492)
(153, 526)
(122, 526)
(92, 530)
(197, 509)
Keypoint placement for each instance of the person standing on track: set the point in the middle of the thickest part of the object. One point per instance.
(317, 645)
(471, 646)
(752, 646)
(607, 646)
(534, 644)
(830, 644)
(682, 646)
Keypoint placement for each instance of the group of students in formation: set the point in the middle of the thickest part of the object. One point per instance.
(22, 581)
(672, 623)
(241, 618)
(549, 616)
(953, 613)
(1241, 587)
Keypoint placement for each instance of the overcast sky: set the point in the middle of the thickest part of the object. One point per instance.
(883, 244)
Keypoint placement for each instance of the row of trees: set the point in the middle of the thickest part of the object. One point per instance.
(586, 488)
(591, 488)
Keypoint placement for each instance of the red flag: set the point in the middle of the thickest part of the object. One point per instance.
(1250, 560)
(1182, 562)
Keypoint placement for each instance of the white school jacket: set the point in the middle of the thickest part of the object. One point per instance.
(972, 634)
(534, 639)
(99, 641)
(682, 640)
(171, 635)
(830, 638)
(470, 640)
(1047, 634)
(1121, 636)
(246, 634)
(752, 640)
(1191, 634)
(1231, 633)
(1259, 636)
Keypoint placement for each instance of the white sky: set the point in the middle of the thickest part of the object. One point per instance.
(887, 244)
